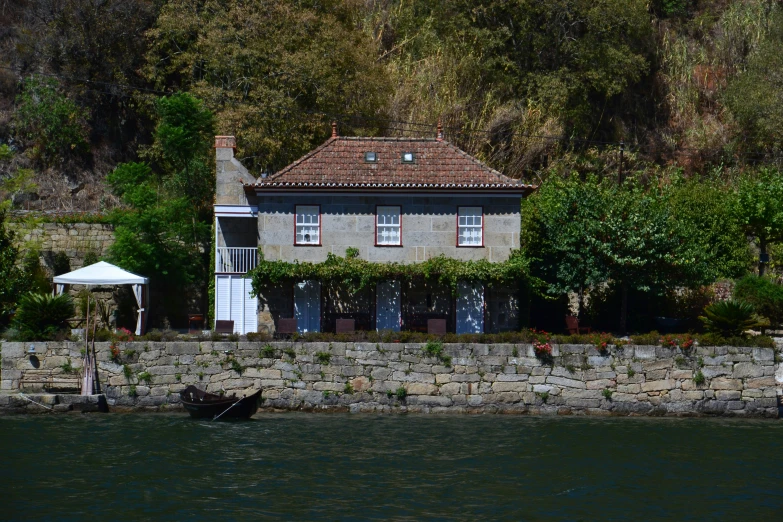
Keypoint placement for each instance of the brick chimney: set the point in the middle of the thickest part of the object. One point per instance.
(229, 173)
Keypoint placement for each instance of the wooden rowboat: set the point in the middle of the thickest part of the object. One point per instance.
(201, 404)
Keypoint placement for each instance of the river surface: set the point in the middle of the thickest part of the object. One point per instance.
(401, 467)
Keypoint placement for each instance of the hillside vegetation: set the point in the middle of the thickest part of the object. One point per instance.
(530, 87)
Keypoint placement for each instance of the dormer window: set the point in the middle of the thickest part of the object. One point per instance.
(408, 157)
(371, 157)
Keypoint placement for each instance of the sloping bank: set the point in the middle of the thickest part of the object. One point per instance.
(396, 377)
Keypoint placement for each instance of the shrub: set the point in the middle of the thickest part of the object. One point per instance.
(257, 336)
(323, 357)
(765, 296)
(649, 339)
(401, 393)
(42, 316)
(698, 378)
(729, 318)
(145, 377)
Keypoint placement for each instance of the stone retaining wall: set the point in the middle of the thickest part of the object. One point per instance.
(470, 378)
(76, 240)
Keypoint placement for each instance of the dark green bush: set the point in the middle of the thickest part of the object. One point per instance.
(42, 316)
(652, 339)
(765, 296)
(730, 318)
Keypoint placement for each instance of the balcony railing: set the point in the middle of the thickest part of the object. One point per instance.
(235, 260)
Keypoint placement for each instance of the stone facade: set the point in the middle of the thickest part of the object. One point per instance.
(76, 240)
(429, 227)
(395, 377)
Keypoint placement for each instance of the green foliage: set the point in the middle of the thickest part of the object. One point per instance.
(348, 390)
(52, 126)
(729, 318)
(356, 273)
(607, 393)
(132, 391)
(237, 367)
(401, 393)
(90, 258)
(631, 372)
(758, 208)
(351, 252)
(323, 357)
(578, 234)
(145, 377)
(698, 378)
(294, 59)
(754, 95)
(12, 280)
(765, 295)
(61, 264)
(126, 370)
(268, 351)
(42, 316)
(68, 367)
(165, 231)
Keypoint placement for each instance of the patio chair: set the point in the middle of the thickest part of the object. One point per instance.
(344, 326)
(224, 327)
(436, 326)
(286, 326)
(572, 325)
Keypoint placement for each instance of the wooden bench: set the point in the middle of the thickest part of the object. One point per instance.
(54, 380)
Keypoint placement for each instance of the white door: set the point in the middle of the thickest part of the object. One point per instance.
(470, 308)
(307, 306)
(233, 302)
(387, 306)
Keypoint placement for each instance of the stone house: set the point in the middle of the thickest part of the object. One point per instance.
(401, 200)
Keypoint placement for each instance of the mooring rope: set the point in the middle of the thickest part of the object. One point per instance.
(22, 395)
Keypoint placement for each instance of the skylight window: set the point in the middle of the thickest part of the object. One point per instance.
(408, 157)
(371, 157)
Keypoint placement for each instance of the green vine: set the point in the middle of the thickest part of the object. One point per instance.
(355, 273)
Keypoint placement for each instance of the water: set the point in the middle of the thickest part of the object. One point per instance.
(362, 467)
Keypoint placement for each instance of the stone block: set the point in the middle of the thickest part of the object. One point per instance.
(499, 387)
(716, 371)
(453, 388)
(421, 388)
(664, 384)
(183, 348)
(644, 352)
(600, 384)
(745, 369)
(475, 400)
(762, 382)
(722, 383)
(566, 383)
(764, 354)
(433, 400)
(727, 395)
(682, 374)
(511, 377)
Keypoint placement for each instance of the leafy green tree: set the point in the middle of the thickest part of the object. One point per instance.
(12, 280)
(579, 234)
(270, 70)
(50, 124)
(164, 230)
(758, 208)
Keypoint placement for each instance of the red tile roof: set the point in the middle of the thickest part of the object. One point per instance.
(339, 164)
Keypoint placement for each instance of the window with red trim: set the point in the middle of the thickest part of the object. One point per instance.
(471, 226)
(388, 226)
(308, 225)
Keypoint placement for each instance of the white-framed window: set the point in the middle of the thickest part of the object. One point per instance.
(388, 227)
(308, 225)
(470, 226)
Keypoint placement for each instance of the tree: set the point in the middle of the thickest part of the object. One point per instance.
(164, 230)
(579, 234)
(51, 125)
(271, 71)
(12, 281)
(758, 207)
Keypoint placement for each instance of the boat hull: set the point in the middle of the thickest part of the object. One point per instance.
(202, 405)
